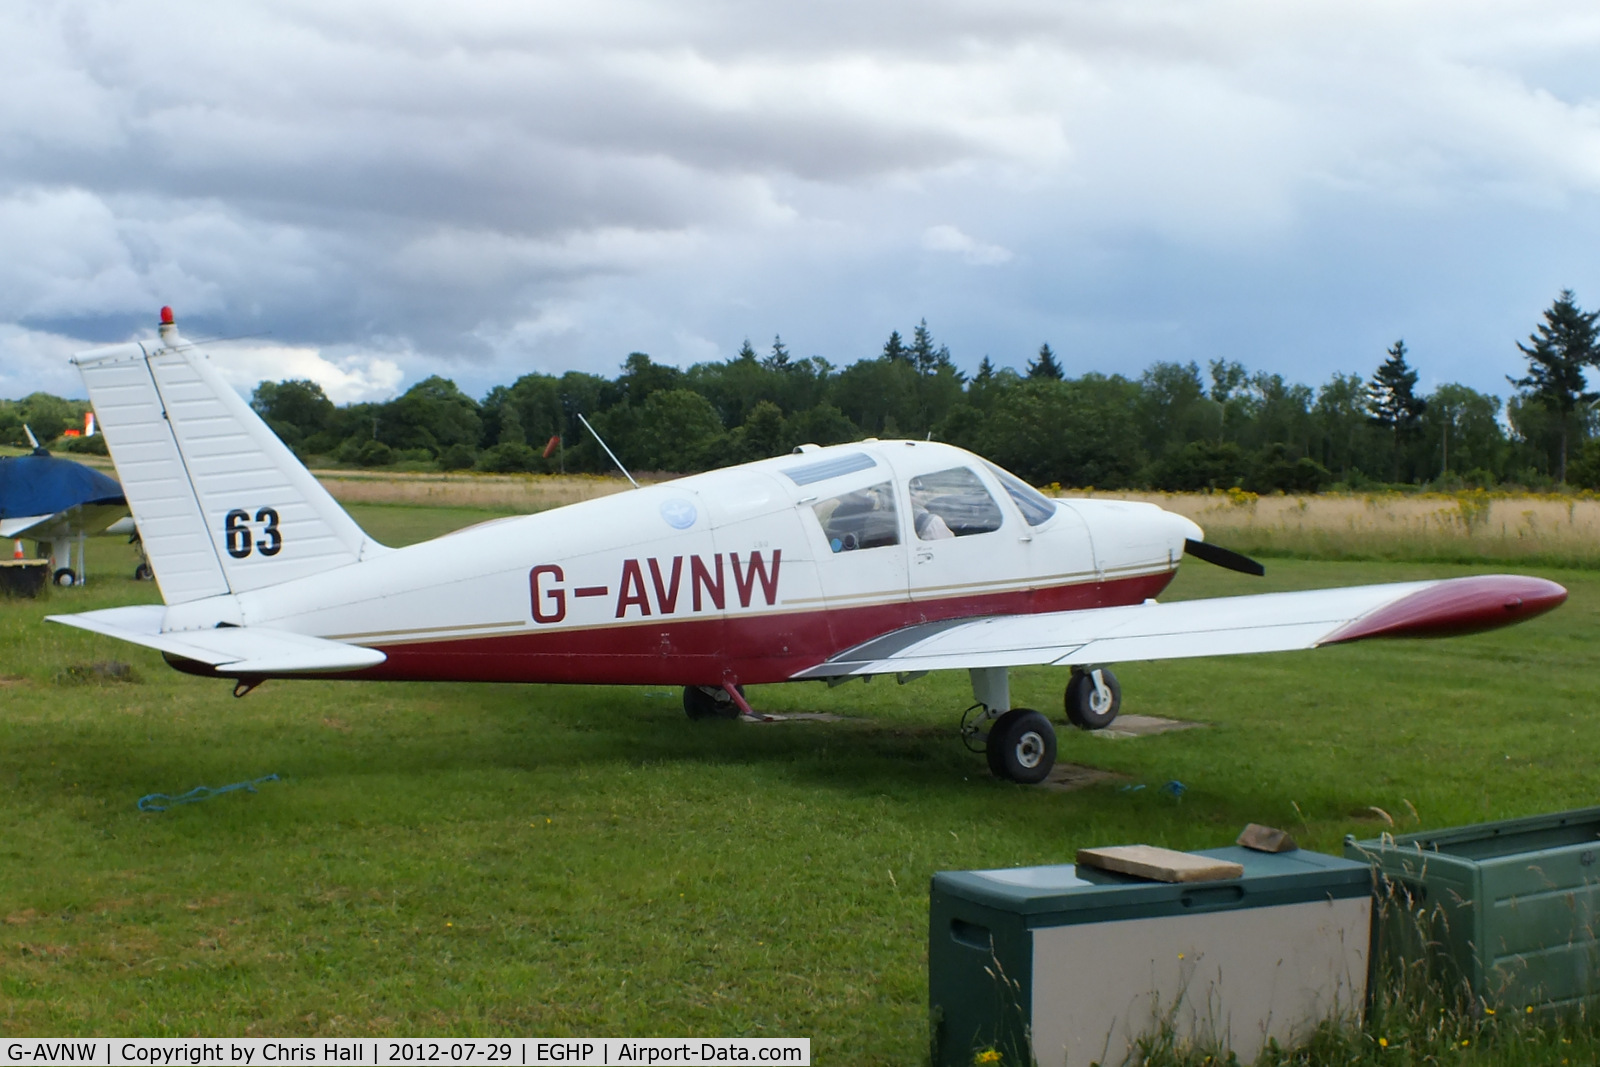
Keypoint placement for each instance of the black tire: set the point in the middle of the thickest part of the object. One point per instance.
(65, 576)
(143, 573)
(1021, 747)
(1079, 701)
(703, 702)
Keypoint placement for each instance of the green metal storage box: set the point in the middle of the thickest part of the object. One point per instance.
(1070, 965)
(1503, 913)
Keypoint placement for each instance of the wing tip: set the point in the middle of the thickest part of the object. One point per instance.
(1457, 606)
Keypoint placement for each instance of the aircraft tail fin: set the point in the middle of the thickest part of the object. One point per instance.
(221, 503)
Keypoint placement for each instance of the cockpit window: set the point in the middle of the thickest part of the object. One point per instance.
(862, 519)
(952, 503)
(1034, 505)
(831, 467)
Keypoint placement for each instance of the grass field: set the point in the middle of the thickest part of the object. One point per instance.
(456, 859)
(1554, 529)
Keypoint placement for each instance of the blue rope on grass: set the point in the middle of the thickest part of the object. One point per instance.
(152, 801)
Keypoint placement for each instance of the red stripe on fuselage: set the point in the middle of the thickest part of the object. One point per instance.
(749, 649)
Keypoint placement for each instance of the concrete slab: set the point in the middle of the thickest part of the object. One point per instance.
(1065, 777)
(1127, 726)
(799, 716)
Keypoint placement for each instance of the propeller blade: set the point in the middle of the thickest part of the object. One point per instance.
(1222, 557)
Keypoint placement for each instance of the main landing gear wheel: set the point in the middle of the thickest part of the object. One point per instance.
(1091, 706)
(65, 576)
(709, 702)
(143, 573)
(1021, 746)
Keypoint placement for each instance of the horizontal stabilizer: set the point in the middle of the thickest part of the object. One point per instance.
(231, 650)
(1267, 622)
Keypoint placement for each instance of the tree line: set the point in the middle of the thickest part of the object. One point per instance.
(1177, 426)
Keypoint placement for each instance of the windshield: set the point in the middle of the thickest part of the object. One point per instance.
(1034, 505)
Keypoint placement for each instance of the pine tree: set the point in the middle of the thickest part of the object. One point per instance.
(923, 355)
(1392, 398)
(894, 349)
(746, 353)
(1045, 366)
(1563, 345)
(779, 357)
(985, 372)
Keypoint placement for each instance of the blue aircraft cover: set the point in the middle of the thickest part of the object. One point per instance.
(41, 484)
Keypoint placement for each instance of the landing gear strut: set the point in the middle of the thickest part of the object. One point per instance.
(1093, 698)
(1020, 743)
(709, 702)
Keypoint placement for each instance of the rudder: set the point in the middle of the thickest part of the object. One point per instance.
(221, 503)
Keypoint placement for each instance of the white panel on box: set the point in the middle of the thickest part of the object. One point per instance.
(1235, 978)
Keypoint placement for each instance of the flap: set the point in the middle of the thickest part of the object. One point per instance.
(1268, 622)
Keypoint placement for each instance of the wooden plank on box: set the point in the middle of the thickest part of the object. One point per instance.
(1159, 864)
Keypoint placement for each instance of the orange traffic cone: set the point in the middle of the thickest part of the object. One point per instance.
(18, 553)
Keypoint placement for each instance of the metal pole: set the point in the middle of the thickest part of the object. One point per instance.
(607, 447)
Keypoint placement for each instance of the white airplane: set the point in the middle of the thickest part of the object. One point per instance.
(880, 557)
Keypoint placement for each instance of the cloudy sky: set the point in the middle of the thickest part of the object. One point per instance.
(371, 192)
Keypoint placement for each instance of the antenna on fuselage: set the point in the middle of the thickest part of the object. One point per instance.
(607, 447)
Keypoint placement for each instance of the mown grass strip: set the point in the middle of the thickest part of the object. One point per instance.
(460, 859)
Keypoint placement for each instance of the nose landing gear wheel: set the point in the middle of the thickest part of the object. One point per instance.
(65, 576)
(1021, 747)
(1091, 707)
(706, 702)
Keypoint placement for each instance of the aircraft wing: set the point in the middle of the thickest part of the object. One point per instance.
(92, 519)
(232, 650)
(14, 527)
(1268, 622)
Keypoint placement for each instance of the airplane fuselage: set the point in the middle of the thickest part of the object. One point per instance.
(744, 575)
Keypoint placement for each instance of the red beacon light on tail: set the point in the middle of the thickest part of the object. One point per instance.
(166, 316)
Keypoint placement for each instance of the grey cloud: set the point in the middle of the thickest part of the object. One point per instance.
(481, 187)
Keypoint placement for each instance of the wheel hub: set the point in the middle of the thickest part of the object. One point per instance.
(1100, 695)
(1030, 749)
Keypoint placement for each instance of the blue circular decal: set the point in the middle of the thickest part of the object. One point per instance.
(680, 514)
